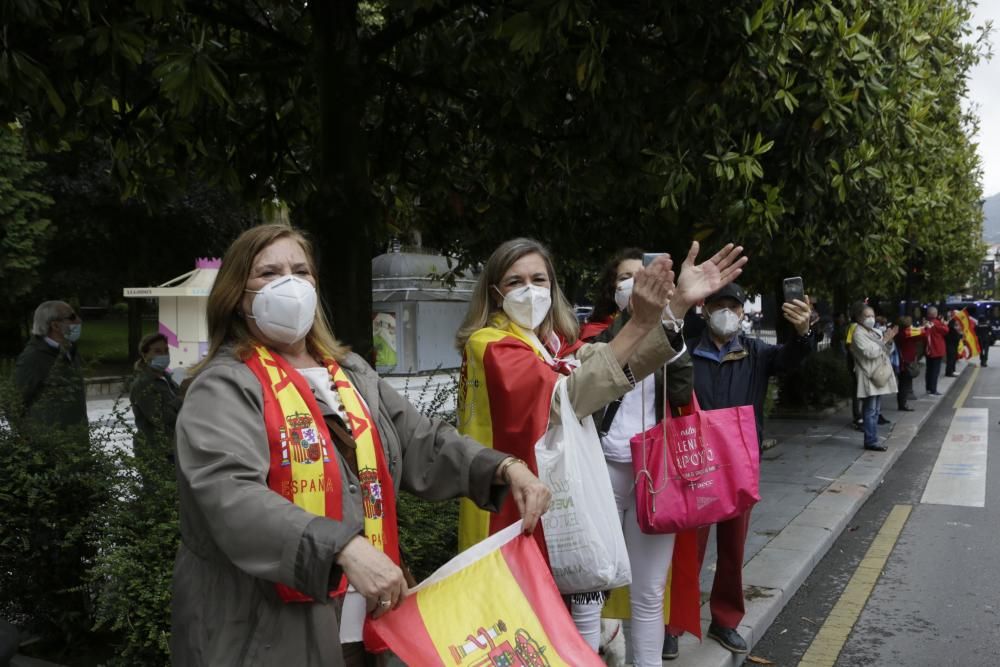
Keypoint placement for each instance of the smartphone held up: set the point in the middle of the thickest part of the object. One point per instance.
(648, 257)
(794, 289)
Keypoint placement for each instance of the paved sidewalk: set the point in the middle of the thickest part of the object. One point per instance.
(811, 485)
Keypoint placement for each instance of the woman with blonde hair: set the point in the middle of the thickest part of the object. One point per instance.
(290, 452)
(520, 336)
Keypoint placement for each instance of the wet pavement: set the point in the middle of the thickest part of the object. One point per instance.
(812, 483)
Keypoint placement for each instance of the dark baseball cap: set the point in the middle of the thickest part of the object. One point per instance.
(730, 291)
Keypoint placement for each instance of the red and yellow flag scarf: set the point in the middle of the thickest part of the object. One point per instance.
(504, 395)
(304, 467)
(968, 347)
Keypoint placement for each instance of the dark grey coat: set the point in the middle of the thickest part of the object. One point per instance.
(50, 382)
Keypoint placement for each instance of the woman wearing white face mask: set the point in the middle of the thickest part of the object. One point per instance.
(642, 407)
(155, 398)
(290, 453)
(871, 349)
(520, 336)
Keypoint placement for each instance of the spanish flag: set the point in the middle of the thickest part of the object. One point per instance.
(504, 395)
(495, 604)
(504, 391)
(968, 347)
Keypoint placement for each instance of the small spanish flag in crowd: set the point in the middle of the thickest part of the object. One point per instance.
(494, 605)
(968, 347)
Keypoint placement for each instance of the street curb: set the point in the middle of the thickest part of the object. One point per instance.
(772, 577)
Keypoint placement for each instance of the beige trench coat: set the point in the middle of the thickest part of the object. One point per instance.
(869, 354)
(600, 379)
(238, 537)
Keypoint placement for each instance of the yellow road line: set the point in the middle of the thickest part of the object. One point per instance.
(832, 636)
(960, 401)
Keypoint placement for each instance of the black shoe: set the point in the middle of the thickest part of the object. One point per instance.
(876, 448)
(949, 375)
(859, 425)
(729, 638)
(882, 421)
(934, 393)
(670, 651)
(906, 409)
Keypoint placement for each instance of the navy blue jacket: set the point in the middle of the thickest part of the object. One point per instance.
(741, 378)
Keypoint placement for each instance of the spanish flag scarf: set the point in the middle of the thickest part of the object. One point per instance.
(503, 403)
(304, 467)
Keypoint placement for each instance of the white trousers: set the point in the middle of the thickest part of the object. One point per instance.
(650, 557)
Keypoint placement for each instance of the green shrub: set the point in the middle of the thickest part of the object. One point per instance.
(428, 531)
(137, 546)
(820, 381)
(53, 484)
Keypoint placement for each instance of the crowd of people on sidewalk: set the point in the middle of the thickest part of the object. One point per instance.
(885, 358)
(308, 547)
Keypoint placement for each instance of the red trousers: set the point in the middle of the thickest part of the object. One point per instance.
(726, 601)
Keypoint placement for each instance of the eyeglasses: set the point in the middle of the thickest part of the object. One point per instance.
(72, 317)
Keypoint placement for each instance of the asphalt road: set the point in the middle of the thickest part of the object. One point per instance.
(936, 593)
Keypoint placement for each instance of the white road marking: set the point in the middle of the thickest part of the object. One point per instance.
(987, 398)
(959, 475)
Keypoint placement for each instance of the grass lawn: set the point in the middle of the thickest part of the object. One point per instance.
(104, 346)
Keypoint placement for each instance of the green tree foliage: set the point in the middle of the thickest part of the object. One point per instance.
(827, 137)
(24, 232)
(53, 487)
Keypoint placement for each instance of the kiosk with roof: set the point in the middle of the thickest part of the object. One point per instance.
(182, 311)
(416, 312)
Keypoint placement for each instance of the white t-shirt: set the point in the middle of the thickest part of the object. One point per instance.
(629, 421)
(352, 618)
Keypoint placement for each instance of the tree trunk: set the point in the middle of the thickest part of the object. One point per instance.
(341, 213)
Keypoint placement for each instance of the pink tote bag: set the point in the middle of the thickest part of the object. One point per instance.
(696, 470)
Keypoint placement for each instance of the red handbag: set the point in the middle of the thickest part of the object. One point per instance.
(696, 470)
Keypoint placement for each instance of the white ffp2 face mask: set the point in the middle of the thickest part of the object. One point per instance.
(527, 306)
(284, 309)
(724, 323)
(623, 293)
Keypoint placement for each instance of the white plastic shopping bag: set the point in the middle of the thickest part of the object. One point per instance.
(582, 531)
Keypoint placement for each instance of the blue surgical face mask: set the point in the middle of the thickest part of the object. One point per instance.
(160, 362)
(73, 332)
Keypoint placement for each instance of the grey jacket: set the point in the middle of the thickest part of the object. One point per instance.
(238, 537)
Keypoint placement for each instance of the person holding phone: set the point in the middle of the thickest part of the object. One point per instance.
(871, 349)
(520, 337)
(617, 422)
(732, 369)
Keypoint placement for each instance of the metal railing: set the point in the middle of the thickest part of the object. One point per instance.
(771, 336)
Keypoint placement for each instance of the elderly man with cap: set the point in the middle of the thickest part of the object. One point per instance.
(47, 373)
(732, 369)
